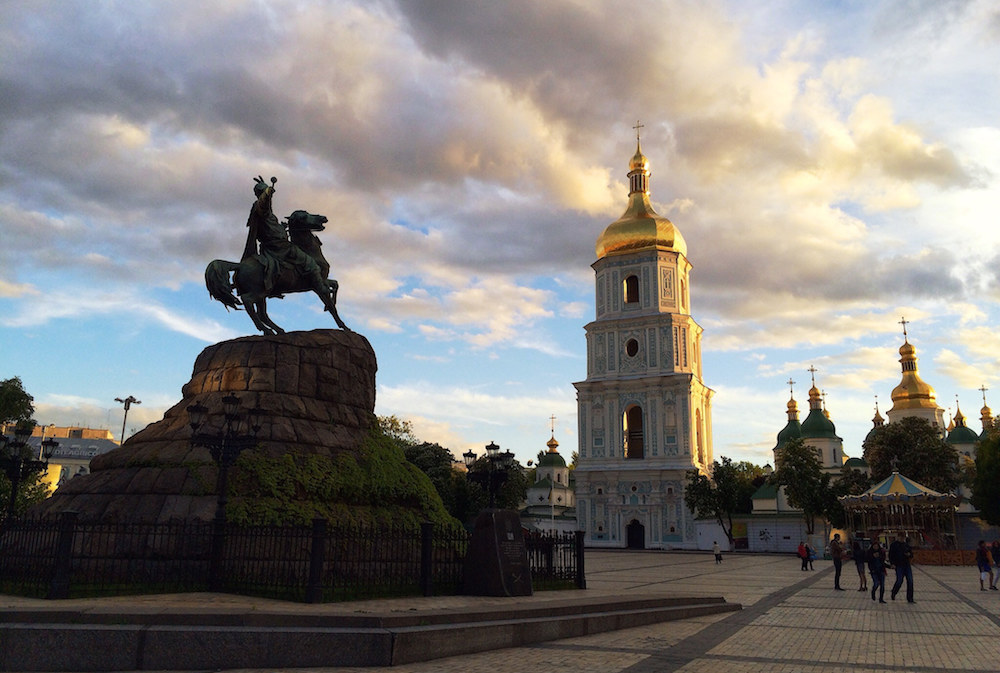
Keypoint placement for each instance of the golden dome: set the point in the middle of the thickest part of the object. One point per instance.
(552, 444)
(912, 392)
(639, 226)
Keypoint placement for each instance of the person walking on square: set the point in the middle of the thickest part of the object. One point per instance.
(876, 566)
(717, 551)
(810, 555)
(803, 552)
(901, 556)
(984, 561)
(858, 552)
(837, 552)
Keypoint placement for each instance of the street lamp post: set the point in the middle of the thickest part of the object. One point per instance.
(494, 478)
(128, 402)
(225, 447)
(19, 461)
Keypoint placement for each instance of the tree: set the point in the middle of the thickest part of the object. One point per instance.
(16, 406)
(15, 402)
(438, 464)
(397, 429)
(986, 485)
(511, 492)
(806, 486)
(728, 492)
(919, 453)
(849, 482)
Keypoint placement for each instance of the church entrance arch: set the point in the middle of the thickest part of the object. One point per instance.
(635, 534)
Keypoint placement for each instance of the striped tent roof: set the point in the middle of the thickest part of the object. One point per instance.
(898, 488)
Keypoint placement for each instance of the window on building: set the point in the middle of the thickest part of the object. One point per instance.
(631, 287)
(634, 439)
(631, 347)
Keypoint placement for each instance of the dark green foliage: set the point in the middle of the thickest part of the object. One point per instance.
(511, 493)
(986, 484)
(921, 454)
(15, 402)
(728, 492)
(377, 486)
(807, 487)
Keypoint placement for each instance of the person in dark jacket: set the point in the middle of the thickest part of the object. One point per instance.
(900, 556)
(876, 568)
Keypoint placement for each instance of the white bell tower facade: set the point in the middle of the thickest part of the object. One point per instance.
(645, 416)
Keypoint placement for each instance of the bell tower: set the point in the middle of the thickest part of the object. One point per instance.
(644, 414)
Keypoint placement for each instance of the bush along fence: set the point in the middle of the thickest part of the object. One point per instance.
(67, 558)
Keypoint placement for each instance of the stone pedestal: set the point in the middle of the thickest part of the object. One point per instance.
(497, 561)
(317, 389)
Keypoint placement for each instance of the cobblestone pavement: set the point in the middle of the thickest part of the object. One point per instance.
(792, 622)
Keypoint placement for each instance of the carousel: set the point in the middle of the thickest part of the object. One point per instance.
(898, 505)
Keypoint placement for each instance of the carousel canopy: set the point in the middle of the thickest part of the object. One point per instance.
(897, 488)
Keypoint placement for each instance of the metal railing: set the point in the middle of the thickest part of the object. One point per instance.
(320, 563)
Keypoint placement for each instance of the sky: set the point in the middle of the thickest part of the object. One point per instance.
(833, 167)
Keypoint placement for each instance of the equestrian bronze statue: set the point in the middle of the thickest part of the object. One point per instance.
(286, 261)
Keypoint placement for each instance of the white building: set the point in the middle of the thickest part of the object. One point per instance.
(645, 416)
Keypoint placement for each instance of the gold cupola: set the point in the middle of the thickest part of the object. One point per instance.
(912, 392)
(639, 226)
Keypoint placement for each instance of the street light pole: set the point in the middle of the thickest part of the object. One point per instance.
(225, 448)
(18, 464)
(128, 402)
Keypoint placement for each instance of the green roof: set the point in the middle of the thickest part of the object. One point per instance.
(817, 425)
(765, 492)
(550, 459)
(962, 434)
(791, 431)
(856, 463)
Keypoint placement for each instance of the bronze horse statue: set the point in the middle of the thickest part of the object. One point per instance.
(248, 277)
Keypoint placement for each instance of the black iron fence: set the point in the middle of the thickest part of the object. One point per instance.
(67, 558)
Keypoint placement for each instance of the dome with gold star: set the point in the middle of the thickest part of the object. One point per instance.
(639, 226)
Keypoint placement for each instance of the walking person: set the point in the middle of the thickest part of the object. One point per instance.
(810, 555)
(984, 561)
(901, 557)
(717, 550)
(858, 553)
(837, 552)
(876, 566)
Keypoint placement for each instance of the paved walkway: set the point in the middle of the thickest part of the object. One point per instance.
(792, 621)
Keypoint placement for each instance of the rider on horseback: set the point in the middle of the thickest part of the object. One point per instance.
(276, 251)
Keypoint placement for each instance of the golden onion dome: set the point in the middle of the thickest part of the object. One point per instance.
(912, 392)
(552, 444)
(639, 226)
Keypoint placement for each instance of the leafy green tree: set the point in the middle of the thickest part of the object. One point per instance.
(438, 464)
(728, 492)
(986, 485)
(398, 429)
(17, 406)
(919, 453)
(510, 494)
(15, 403)
(807, 487)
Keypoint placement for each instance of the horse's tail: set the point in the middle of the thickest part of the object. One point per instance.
(217, 282)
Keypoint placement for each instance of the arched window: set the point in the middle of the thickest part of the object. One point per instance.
(632, 427)
(631, 287)
(698, 439)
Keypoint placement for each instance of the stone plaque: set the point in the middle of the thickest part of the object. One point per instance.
(497, 562)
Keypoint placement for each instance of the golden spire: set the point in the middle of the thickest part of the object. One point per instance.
(985, 414)
(639, 226)
(552, 443)
(877, 421)
(792, 406)
(815, 401)
(912, 392)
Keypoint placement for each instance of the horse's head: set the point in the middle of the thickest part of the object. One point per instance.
(301, 220)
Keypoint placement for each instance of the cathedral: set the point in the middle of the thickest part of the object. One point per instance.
(644, 413)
